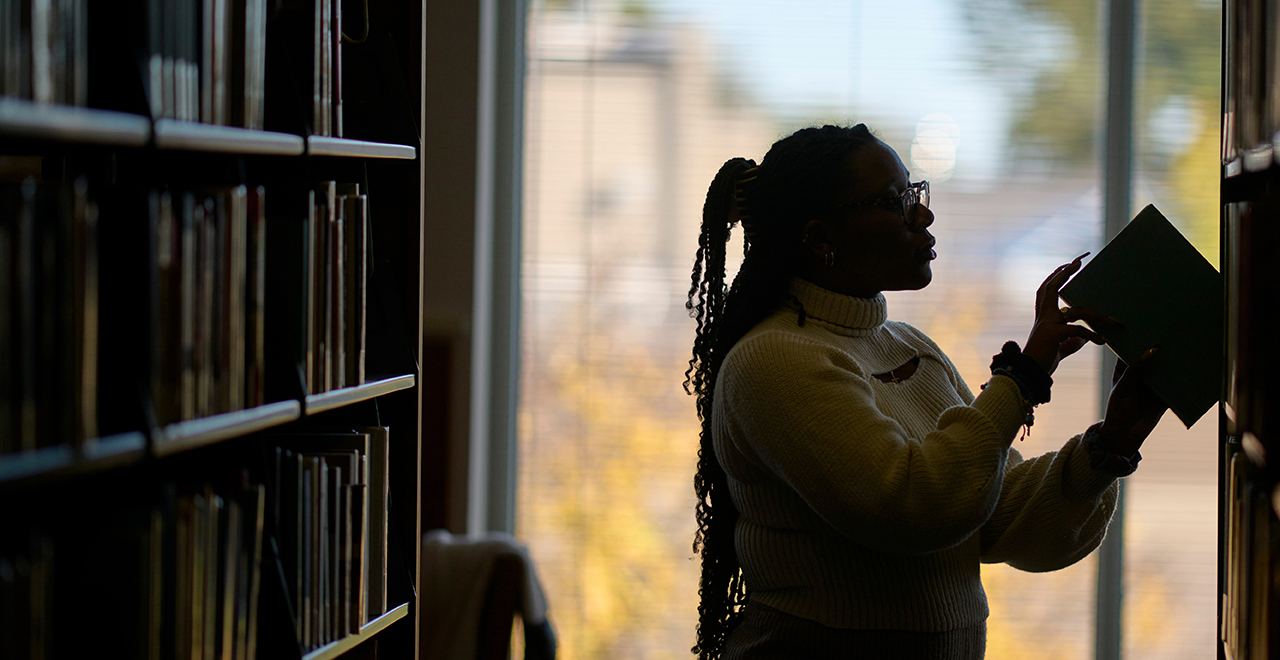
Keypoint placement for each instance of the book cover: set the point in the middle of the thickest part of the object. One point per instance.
(379, 495)
(1164, 292)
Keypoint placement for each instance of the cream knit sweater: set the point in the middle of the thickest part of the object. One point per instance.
(870, 505)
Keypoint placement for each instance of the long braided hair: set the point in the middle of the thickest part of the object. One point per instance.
(797, 181)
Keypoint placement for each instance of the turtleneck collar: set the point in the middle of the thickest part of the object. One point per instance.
(845, 315)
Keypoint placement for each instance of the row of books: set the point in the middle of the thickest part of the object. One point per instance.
(48, 315)
(330, 510)
(337, 270)
(318, 63)
(1249, 548)
(205, 60)
(210, 287)
(200, 334)
(207, 301)
(193, 60)
(193, 570)
(213, 541)
(177, 575)
(44, 50)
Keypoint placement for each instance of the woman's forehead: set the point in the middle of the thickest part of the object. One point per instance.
(875, 168)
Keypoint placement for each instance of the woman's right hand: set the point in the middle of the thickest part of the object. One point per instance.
(1053, 337)
(1133, 410)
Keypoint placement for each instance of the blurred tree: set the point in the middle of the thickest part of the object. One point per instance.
(1050, 56)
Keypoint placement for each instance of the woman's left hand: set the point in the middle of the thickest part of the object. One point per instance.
(1053, 338)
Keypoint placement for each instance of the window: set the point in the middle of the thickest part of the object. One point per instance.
(630, 109)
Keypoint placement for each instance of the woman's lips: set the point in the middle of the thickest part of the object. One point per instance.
(927, 253)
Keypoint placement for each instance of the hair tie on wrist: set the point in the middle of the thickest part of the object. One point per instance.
(1031, 378)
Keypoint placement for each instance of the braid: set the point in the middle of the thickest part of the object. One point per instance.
(796, 180)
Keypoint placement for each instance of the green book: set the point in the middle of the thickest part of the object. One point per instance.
(1165, 294)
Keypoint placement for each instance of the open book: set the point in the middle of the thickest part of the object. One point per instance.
(1165, 294)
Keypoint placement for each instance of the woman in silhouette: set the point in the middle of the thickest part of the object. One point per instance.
(849, 483)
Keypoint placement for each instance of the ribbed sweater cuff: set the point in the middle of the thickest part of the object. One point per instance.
(1002, 403)
(1081, 480)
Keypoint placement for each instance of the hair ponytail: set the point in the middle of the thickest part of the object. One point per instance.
(721, 592)
(798, 176)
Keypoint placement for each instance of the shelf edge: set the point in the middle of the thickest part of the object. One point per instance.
(182, 436)
(64, 123)
(318, 403)
(320, 145)
(99, 453)
(174, 135)
(368, 630)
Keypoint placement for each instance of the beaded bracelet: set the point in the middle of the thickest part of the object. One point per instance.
(1025, 371)
(1032, 381)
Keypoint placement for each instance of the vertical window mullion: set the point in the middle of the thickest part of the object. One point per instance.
(1117, 176)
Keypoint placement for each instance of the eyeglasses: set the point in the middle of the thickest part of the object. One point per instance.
(916, 193)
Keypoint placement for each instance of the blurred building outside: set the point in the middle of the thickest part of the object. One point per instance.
(630, 112)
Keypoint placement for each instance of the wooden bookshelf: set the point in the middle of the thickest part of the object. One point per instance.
(195, 259)
(367, 632)
(25, 120)
(318, 403)
(1249, 448)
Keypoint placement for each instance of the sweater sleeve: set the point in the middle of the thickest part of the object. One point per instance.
(1053, 510)
(806, 412)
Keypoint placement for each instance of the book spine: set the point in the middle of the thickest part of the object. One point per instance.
(8, 330)
(41, 51)
(189, 261)
(27, 289)
(229, 551)
(206, 61)
(337, 68)
(310, 333)
(256, 530)
(85, 312)
(210, 567)
(260, 63)
(236, 313)
(255, 360)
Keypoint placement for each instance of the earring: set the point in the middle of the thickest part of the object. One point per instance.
(829, 258)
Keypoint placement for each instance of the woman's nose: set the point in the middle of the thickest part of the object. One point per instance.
(921, 217)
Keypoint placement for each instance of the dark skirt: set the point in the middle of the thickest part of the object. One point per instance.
(768, 634)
